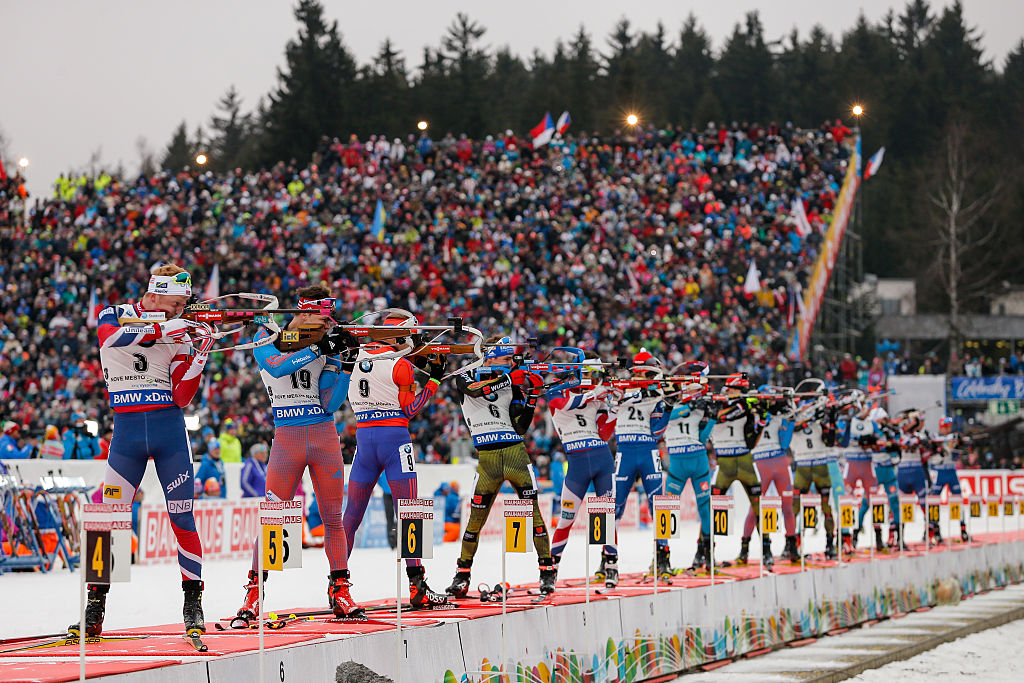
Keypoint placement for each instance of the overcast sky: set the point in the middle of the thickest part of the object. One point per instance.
(82, 76)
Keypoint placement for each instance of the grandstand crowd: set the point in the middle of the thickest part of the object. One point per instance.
(608, 243)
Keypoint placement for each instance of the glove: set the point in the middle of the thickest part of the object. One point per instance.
(178, 329)
(437, 367)
(336, 341)
(204, 337)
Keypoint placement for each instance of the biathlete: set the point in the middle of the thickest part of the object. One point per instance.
(773, 464)
(306, 388)
(689, 423)
(152, 371)
(383, 397)
(813, 441)
(498, 408)
(910, 475)
(942, 462)
(734, 434)
(641, 421)
(584, 423)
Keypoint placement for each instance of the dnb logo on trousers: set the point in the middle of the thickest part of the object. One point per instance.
(112, 492)
(179, 506)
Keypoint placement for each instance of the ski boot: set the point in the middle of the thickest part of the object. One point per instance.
(599, 575)
(663, 564)
(460, 584)
(830, 547)
(964, 536)
(791, 552)
(548, 575)
(767, 559)
(744, 550)
(338, 597)
(856, 537)
(611, 570)
(847, 544)
(879, 544)
(247, 612)
(420, 594)
(934, 534)
(95, 608)
(192, 611)
(701, 559)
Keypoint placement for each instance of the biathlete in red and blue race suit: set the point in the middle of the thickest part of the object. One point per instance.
(152, 371)
(306, 387)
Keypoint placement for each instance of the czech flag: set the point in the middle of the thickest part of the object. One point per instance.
(873, 163)
(563, 123)
(542, 132)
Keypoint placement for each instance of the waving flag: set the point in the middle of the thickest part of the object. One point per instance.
(92, 318)
(379, 216)
(542, 132)
(873, 163)
(563, 123)
(803, 226)
(752, 283)
(212, 290)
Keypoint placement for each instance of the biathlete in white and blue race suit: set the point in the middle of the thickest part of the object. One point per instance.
(641, 421)
(152, 371)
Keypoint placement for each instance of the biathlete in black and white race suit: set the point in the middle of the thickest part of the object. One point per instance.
(498, 405)
(152, 371)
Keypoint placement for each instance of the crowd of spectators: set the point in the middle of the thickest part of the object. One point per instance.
(614, 243)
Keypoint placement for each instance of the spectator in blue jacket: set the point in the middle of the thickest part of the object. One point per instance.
(212, 468)
(9, 447)
(254, 472)
(79, 444)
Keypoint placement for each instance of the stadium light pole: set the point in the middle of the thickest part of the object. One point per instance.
(858, 114)
(23, 164)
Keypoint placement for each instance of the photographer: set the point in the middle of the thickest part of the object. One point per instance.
(79, 444)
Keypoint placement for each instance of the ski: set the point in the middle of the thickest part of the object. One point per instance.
(69, 639)
(194, 638)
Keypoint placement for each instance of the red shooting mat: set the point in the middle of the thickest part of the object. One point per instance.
(56, 672)
(158, 645)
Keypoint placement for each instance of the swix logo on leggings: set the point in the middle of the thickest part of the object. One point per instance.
(178, 481)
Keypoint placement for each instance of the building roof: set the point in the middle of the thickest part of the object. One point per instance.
(936, 326)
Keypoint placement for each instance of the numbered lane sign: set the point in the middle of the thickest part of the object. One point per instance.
(809, 513)
(771, 509)
(955, 511)
(601, 520)
(121, 543)
(1020, 505)
(416, 528)
(974, 503)
(993, 507)
(666, 518)
(1008, 507)
(98, 520)
(907, 505)
(281, 531)
(721, 515)
(518, 522)
(932, 504)
(848, 506)
(878, 505)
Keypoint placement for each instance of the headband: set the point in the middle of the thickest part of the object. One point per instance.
(316, 304)
(171, 285)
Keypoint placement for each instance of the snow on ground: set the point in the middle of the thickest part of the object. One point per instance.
(47, 603)
(981, 656)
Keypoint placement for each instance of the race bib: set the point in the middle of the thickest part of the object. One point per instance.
(656, 457)
(407, 457)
